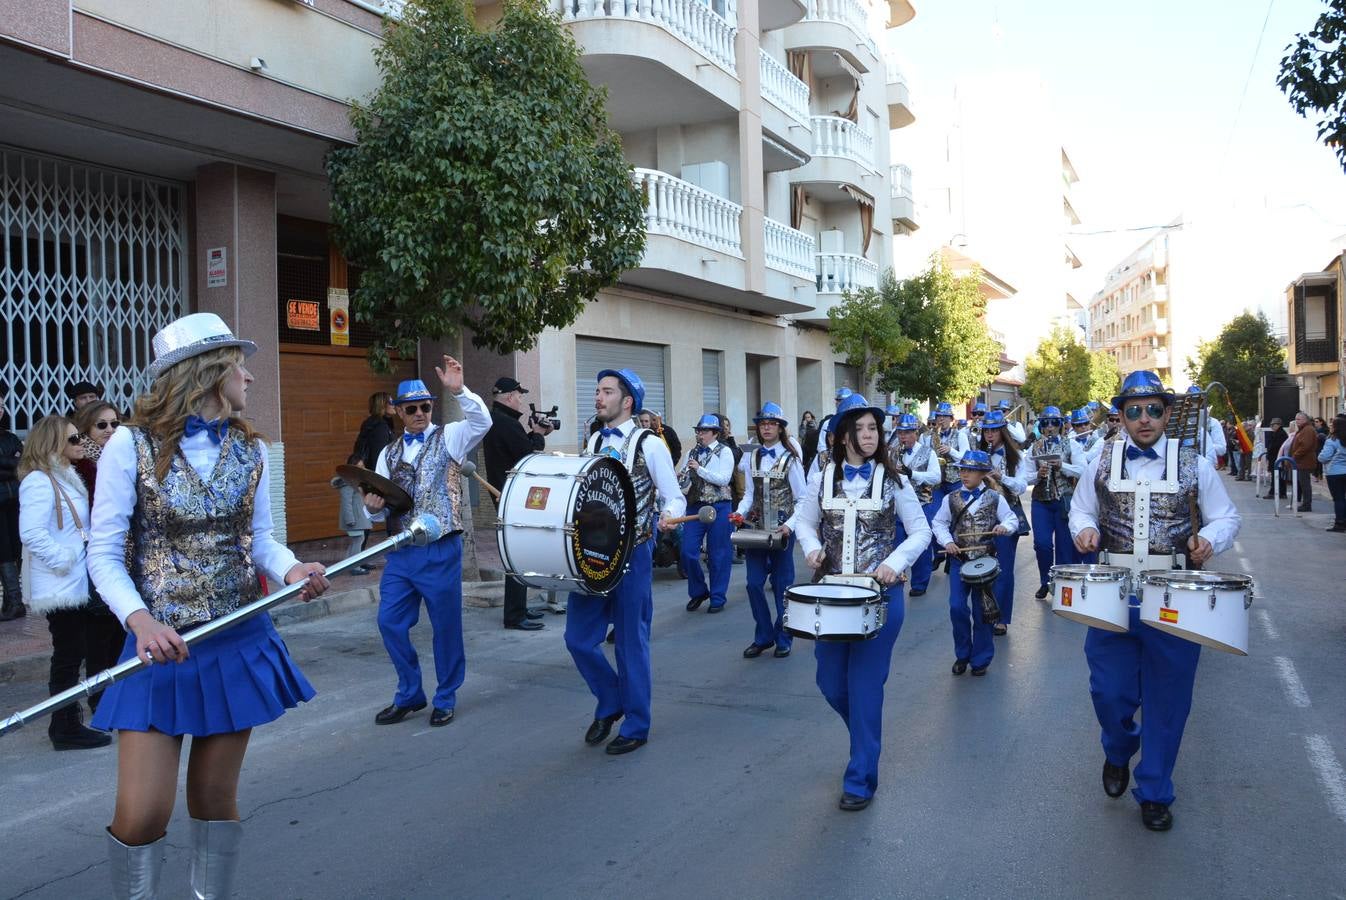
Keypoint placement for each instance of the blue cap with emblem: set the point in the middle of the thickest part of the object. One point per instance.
(1079, 417)
(1050, 412)
(976, 461)
(411, 391)
(771, 412)
(908, 422)
(994, 419)
(709, 420)
(1142, 384)
(634, 386)
(944, 408)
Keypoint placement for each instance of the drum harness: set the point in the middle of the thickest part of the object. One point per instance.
(850, 511)
(767, 476)
(1139, 561)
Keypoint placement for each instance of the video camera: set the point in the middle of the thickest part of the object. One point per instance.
(546, 417)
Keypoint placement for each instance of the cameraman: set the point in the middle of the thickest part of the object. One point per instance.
(504, 445)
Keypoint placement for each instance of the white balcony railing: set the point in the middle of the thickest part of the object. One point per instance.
(781, 87)
(682, 210)
(851, 13)
(789, 250)
(695, 23)
(835, 136)
(894, 69)
(841, 272)
(899, 176)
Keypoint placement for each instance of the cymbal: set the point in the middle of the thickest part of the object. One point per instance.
(398, 501)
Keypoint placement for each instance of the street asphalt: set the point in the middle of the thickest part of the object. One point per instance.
(989, 787)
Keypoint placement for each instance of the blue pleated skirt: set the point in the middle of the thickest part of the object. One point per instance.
(238, 679)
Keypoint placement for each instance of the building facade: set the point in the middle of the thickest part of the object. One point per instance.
(1316, 354)
(1131, 317)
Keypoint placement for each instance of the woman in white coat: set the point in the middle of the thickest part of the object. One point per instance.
(54, 526)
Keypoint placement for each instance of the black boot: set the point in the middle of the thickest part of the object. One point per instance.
(67, 731)
(12, 607)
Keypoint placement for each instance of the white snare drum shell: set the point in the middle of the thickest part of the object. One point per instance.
(1092, 595)
(834, 612)
(1207, 608)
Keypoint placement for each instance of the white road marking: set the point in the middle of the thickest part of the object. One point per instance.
(1294, 688)
(1238, 548)
(1247, 566)
(1329, 772)
(1267, 624)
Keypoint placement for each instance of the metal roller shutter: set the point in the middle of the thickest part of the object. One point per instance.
(845, 376)
(710, 381)
(593, 356)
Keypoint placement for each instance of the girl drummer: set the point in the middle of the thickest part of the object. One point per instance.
(885, 542)
(967, 521)
(188, 482)
(1007, 467)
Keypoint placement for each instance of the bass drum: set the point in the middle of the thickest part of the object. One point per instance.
(567, 523)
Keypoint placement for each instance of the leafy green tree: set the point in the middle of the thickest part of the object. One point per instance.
(953, 355)
(486, 190)
(1061, 373)
(1105, 378)
(864, 330)
(1313, 76)
(1244, 351)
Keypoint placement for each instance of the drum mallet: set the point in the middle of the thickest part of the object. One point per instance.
(705, 517)
(470, 468)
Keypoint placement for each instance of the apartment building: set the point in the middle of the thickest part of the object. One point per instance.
(1131, 317)
(165, 156)
(1316, 354)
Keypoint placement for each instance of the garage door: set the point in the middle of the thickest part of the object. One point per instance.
(593, 356)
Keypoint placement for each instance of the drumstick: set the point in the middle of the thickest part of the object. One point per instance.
(705, 516)
(470, 468)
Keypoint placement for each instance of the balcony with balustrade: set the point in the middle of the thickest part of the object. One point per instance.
(774, 14)
(900, 111)
(843, 154)
(841, 25)
(786, 124)
(661, 60)
(902, 201)
(835, 274)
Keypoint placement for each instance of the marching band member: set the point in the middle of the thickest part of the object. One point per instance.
(773, 479)
(967, 524)
(894, 413)
(826, 452)
(426, 463)
(971, 430)
(1145, 669)
(1052, 461)
(886, 541)
(1008, 475)
(948, 445)
(918, 462)
(705, 479)
(625, 691)
(841, 395)
(1114, 424)
(187, 486)
(1082, 433)
(1015, 429)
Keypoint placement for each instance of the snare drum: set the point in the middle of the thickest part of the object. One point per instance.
(980, 571)
(1095, 595)
(834, 612)
(567, 523)
(1209, 608)
(757, 539)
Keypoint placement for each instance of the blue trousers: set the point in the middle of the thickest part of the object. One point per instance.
(1051, 523)
(719, 553)
(851, 675)
(1006, 549)
(1150, 667)
(925, 563)
(432, 574)
(973, 639)
(629, 607)
(780, 565)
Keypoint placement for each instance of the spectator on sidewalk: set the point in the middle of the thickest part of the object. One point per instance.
(376, 432)
(1321, 428)
(1275, 439)
(81, 394)
(353, 518)
(652, 420)
(11, 448)
(53, 524)
(1304, 451)
(1333, 458)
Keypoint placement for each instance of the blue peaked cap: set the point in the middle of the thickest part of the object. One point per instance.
(1079, 417)
(944, 408)
(908, 422)
(976, 460)
(1050, 412)
(709, 420)
(994, 419)
(634, 386)
(1140, 384)
(853, 405)
(411, 391)
(771, 412)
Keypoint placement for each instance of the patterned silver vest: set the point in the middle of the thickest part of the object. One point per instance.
(1170, 514)
(192, 539)
(1054, 486)
(698, 489)
(937, 438)
(632, 455)
(975, 521)
(920, 458)
(875, 523)
(772, 482)
(434, 481)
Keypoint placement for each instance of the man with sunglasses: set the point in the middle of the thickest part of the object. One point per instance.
(1055, 465)
(1134, 502)
(426, 463)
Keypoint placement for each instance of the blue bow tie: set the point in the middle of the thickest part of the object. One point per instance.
(862, 471)
(702, 452)
(1137, 453)
(215, 429)
(409, 438)
(998, 451)
(609, 432)
(1081, 438)
(769, 451)
(969, 496)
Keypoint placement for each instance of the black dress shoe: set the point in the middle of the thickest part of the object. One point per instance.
(980, 670)
(534, 614)
(440, 717)
(959, 666)
(1115, 779)
(598, 732)
(527, 625)
(1041, 593)
(714, 609)
(781, 652)
(999, 629)
(695, 603)
(1156, 816)
(853, 802)
(619, 745)
(390, 715)
(918, 592)
(756, 650)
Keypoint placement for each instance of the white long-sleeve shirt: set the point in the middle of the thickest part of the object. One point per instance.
(716, 469)
(1072, 461)
(942, 524)
(1216, 445)
(459, 438)
(808, 515)
(794, 473)
(1222, 519)
(658, 460)
(115, 501)
(1018, 482)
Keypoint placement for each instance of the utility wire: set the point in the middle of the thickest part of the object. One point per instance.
(1238, 112)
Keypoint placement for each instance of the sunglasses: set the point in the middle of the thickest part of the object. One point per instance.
(104, 426)
(412, 408)
(1114, 419)
(1050, 423)
(1153, 410)
(73, 440)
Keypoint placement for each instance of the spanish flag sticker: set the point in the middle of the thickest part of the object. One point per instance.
(1168, 615)
(1067, 595)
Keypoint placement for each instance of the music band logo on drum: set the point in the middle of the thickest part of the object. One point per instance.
(1067, 597)
(537, 498)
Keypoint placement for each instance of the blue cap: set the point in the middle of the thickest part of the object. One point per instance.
(1194, 389)
(1113, 410)
(411, 391)
(944, 408)
(1079, 417)
(962, 423)
(771, 412)
(1140, 384)
(1050, 412)
(855, 404)
(1093, 404)
(893, 410)
(634, 386)
(709, 420)
(975, 460)
(978, 407)
(844, 392)
(1003, 405)
(908, 422)
(994, 419)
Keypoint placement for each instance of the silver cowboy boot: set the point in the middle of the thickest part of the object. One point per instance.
(135, 870)
(214, 858)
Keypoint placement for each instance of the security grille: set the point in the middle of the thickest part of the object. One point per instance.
(94, 264)
(710, 381)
